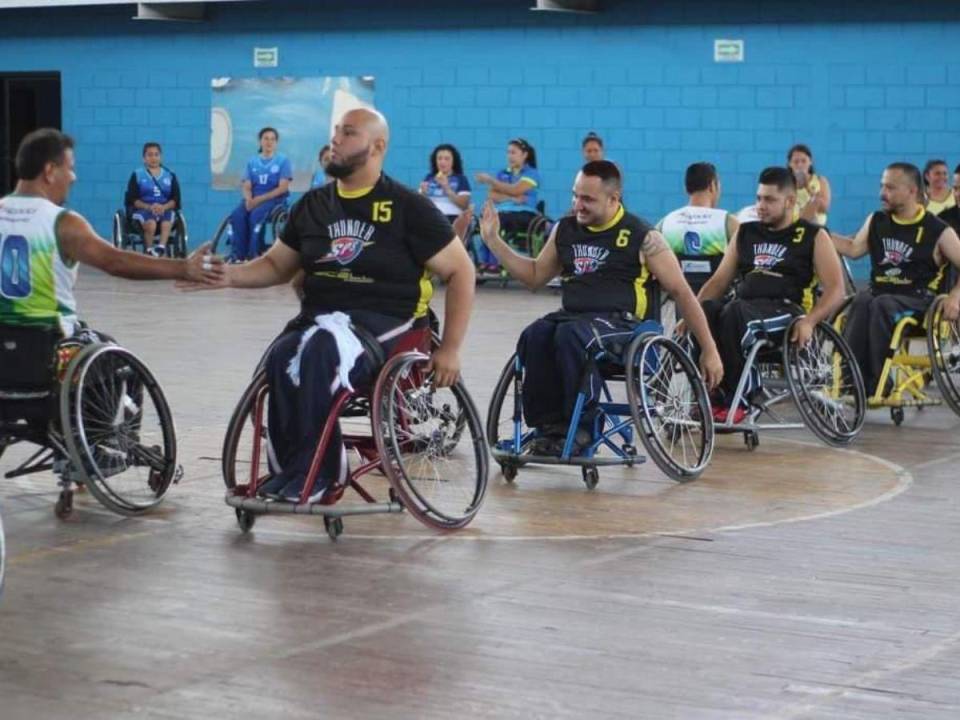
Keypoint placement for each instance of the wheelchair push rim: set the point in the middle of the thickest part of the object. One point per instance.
(248, 417)
(431, 443)
(943, 344)
(670, 407)
(825, 384)
(118, 429)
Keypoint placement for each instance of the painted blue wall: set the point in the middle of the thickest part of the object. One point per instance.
(865, 84)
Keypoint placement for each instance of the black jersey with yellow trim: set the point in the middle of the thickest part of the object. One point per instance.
(366, 250)
(601, 266)
(903, 253)
(776, 264)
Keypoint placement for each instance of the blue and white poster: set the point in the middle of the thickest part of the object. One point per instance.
(303, 110)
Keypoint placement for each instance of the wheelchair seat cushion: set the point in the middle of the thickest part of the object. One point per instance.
(27, 358)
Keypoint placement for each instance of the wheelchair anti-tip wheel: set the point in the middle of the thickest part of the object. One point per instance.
(669, 404)
(943, 344)
(826, 384)
(430, 442)
(118, 429)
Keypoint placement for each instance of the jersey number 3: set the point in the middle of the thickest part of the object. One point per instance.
(14, 267)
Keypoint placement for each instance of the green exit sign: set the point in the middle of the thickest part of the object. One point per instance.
(266, 57)
(728, 50)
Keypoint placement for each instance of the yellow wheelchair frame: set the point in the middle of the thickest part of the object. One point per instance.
(911, 374)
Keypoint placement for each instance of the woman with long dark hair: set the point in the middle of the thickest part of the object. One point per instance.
(445, 184)
(813, 190)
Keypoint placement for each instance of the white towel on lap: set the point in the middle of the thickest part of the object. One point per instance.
(349, 346)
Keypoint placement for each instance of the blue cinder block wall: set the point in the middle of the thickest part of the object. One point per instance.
(863, 83)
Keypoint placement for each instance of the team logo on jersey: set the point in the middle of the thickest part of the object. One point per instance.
(692, 243)
(588, 258)
(274, 168)
(767, 255)
(350, 237)
(895, 252)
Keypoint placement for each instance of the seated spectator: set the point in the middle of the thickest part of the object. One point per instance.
(813, 190)
(592, 147)
(320, 177)
(951, 216)
(514, 194)
(266, 184)
(445, 184)
(936, 181)
(152, 198)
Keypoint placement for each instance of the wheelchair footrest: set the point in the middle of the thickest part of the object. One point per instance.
(577, 460)
(261, 506)
(904, 402)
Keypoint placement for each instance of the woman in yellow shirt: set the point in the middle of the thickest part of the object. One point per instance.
(813, 191)
(936, 178)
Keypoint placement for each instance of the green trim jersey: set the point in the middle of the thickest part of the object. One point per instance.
(694, 230)
(36, 281)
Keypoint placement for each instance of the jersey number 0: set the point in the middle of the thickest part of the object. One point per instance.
(14, 267)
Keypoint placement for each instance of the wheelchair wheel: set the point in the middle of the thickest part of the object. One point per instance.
(119, 231)
(500, 430)
(669, 404)
(220, 237)
(413, 425)
(247, 428)
(178, 247)
(943, 343)
(826, 385)
(118, 429)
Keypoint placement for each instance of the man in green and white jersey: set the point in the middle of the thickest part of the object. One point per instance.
(42, 244)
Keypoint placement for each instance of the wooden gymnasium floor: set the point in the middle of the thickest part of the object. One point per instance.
(795, 582)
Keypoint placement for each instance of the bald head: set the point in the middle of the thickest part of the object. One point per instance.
(358, 144)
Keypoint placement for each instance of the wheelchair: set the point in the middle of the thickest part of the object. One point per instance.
(907, 375)
(128, 236)
(666, 405)
(821, 378)
(276, 221)
(96, 413)
(427, 441)
(529, 241)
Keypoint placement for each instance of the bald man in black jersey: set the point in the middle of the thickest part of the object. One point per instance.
(605, 257)
(367, 246)
(909, 249)
(776, 262)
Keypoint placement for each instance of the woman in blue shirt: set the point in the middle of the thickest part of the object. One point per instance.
(266, 184)
(514, 192)
(152, 197)
(445, 184)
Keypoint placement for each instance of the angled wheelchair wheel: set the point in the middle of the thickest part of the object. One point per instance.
(943, 343)
(245, 445)
(669, 404)
(826, 385)
(118, 429)
(119, 229)
(179, 246)
(219, 240)
(501, 428)
(440, 482)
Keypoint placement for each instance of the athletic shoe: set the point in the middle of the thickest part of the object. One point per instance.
(720, 415)
(272, 489)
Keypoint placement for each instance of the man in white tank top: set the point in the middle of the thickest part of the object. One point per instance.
(700, 227)
(42, 244)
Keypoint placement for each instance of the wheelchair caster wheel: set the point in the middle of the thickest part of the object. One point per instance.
(333, 525)
(752, 440)
(630, 450)
(591, 476)
(245, 519)
(896, 414)
(509, 472)
(64, 505)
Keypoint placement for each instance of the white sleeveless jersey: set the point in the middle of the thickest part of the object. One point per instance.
(36, 283)
(694, 230)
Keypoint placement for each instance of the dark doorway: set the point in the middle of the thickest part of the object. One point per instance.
(27, 101)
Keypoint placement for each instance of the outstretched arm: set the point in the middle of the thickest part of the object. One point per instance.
(453, 266)
(852, 247)
(532, 272)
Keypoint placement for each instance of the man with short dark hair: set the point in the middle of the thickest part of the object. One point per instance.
(777, 261)
(42, 244)
(605, 257)
(909, 248)
(699, 228)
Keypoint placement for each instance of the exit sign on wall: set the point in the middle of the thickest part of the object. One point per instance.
(728, 50)
(266, 57)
